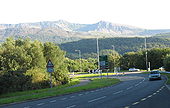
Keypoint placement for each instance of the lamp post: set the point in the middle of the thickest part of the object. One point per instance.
(146, 55)
(80, 59)
(114, 57)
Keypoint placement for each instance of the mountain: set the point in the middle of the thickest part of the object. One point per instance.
(62, 31)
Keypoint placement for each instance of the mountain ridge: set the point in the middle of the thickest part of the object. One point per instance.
(55, 30)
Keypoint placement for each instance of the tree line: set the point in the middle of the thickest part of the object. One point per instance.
(23, 65)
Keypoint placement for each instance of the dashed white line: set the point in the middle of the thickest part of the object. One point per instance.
(143, 99)
(149, 96)
(135, 103)
(154, 93)
(96, 99)
(71, 106)
(118, 92)
(127, 107)
(53, 101)
(136, 84)
(129, 88)
(40, 104)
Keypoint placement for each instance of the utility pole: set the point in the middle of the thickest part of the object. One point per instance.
(146, 55)
(114, 57)
(98, 53)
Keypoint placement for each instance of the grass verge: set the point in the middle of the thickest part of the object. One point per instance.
(37, 94)
(93, 75)
(168, 76)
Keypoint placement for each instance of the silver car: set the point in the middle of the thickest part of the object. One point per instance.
(155, 74)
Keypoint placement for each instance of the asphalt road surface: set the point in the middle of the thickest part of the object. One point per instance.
(135, 91)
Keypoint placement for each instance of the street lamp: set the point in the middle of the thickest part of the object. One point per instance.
(146, 55)
(114, 57)
(98, 53)
(80, 59)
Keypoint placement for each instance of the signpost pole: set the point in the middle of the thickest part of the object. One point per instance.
(51, 86)
(50, 69)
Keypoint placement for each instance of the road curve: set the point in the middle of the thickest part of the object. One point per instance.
(134, 91)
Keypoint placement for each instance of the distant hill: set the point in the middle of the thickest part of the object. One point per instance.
(122, 45)
(62, 31)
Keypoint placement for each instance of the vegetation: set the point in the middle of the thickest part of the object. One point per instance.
(122, 45)
(95, 83)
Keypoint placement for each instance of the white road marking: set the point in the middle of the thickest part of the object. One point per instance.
(143, 99)
(136, 84)
(157, 91)
(96, 99)
(71, 106)
(154, 93)
(80, 94)
(53, 101)
(135, 103)
(92, 91)
(27, 107)
(129, 88)
(40, 104)
(97, 90)
(63, 98)
(127, 107)
(118, 92)
(149, 96)
(72, 96)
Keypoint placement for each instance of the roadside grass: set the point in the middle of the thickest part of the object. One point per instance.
(45, 93)
(168, 76)
(93, 75)
(21, 93)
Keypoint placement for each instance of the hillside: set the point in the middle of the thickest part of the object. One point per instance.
(122, 45)
(62, 31)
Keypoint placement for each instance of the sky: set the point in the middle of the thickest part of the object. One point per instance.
(148, 14)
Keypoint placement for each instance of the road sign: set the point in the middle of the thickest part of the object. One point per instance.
(104, 62)
(50, 66)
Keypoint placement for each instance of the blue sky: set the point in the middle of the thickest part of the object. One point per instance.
(149, 14)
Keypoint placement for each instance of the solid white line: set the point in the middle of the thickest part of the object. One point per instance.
(71, 106)
(96, 99)
(53, 101)
(135, 103)
(129, 88)
(40, 104)
(118, 92)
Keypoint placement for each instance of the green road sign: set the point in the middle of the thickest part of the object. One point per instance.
(104, 62)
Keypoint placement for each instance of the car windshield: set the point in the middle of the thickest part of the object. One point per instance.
(154, 72)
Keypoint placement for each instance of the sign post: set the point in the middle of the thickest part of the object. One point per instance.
(50, 69)
(104, 63)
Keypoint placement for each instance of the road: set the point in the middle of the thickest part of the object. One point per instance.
(135, 91)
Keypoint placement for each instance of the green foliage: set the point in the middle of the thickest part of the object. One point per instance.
(167, 62)
(23, 65)
(155, 56)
